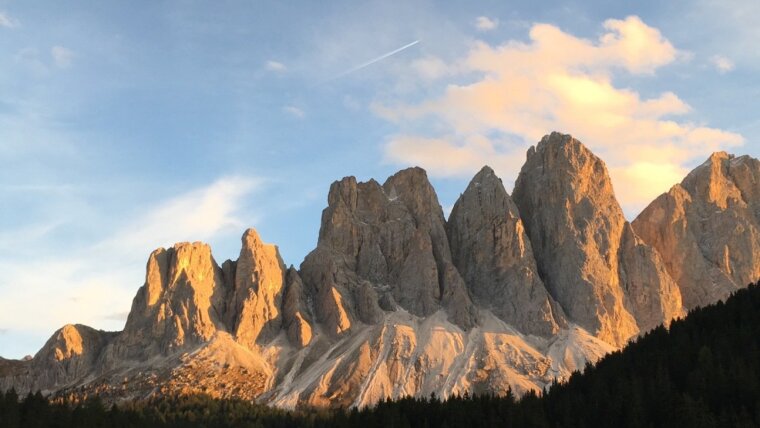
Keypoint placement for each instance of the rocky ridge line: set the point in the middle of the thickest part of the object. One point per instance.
(509, 293)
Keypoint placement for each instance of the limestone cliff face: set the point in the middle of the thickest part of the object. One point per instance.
(71, 354)
(297, 318)
(707, 228)
(254, 310)
(187, 298)
(510, 293)
(494, 255)
(181, 304)
(381, 247)
(576, 228)
(653, 295)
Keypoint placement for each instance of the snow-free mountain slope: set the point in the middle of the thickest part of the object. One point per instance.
(509, 293)
(494, 256)
(707, 228)
(592, 263)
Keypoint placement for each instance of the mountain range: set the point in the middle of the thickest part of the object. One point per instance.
(510, 292)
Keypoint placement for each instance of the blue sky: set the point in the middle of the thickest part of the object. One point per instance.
(128, 127)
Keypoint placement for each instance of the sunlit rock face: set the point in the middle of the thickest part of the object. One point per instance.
(707, 228)
(72, 354)
(494, 256)
(383, 247)
(254, 310)
(181, 304)
(509, 294)
(589, 259)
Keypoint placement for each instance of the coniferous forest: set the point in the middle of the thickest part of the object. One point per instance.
(704, 371)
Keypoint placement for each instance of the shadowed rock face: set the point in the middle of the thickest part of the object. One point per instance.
(381, 247)
(588, 263)
(510, 293)
(707, 228)
(494, 256)
(296, 313)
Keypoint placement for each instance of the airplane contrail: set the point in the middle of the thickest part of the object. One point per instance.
(380, 58)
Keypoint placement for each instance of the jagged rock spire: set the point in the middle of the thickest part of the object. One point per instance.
(586, 253)
(707, 228)
(384, 244)
(492, 252)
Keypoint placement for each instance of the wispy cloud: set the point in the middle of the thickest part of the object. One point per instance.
(430, 67)
(198, 214)
(294, 111)
(62, 57)
(557, 81)
(7, 21)
(98, 281)
(275, 66)
(722, 64)
(484, 23)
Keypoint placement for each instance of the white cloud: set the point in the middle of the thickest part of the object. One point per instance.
(430, 67)
(294, 111)
(7, 21)
(198, 214)
(484, 23)
(276, 66)
(91, 284)
(62, 57)
(722, 64)
(516, 92)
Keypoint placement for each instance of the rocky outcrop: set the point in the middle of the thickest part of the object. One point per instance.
(576, 228)
(296, 313)
(181, 304)
(384, 246)
(508, 294)
(707, 228)
(254, 310)
(494, 256)
(72, 354)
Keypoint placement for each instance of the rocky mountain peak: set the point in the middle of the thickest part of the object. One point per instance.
(510, 293)
(383, 247)
(722, 178)
(70, 354)
(71, 341)
(253, 311)
(707, 228)
(486, 174)
(179, 305)
(494, 256)
(576, 228)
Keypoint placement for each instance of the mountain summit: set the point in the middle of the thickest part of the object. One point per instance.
(707, 228)
(602, 274)
(510, 293)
